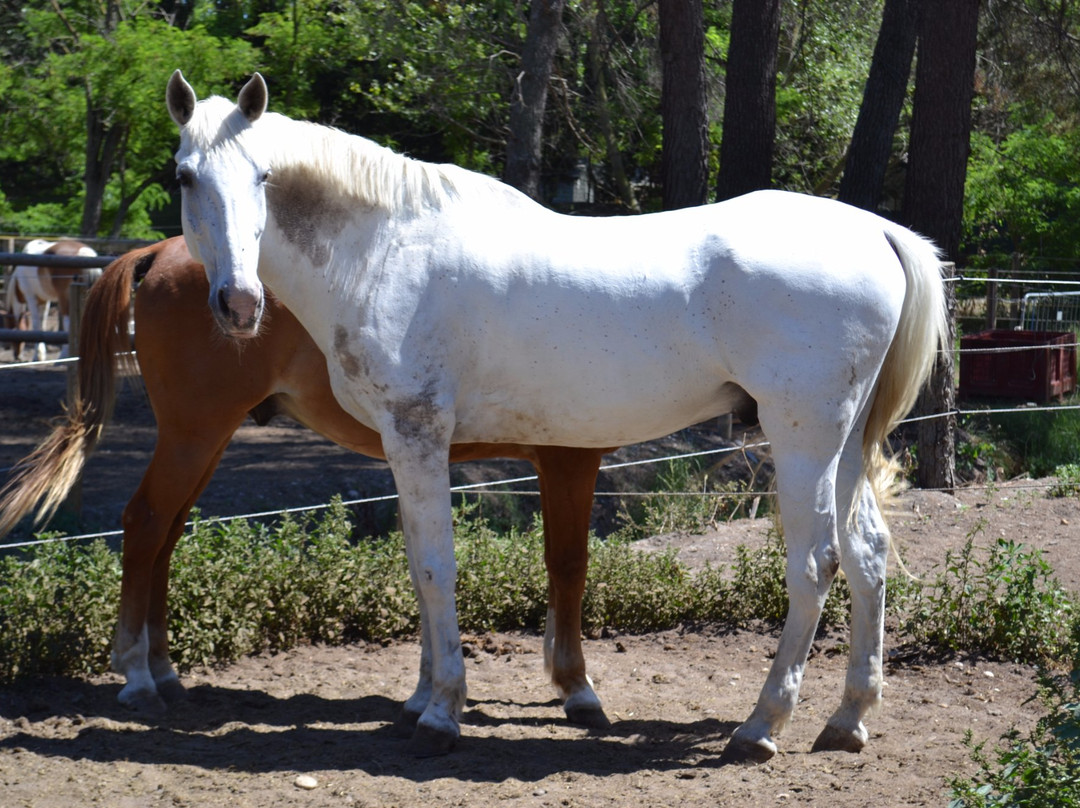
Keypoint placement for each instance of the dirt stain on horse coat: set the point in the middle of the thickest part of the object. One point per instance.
(309, 216)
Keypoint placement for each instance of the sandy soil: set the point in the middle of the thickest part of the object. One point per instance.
(312, 727)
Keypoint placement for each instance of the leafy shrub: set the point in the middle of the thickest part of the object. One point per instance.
(240, 587)
(1039, 771)
(635, 591)
(685, 500)
(1068, 481)
(502, 581)
(53, 623)
(1042, 441)
(1004, 605)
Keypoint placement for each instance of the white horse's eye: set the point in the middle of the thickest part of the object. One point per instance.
(185, 176)
(265, 177)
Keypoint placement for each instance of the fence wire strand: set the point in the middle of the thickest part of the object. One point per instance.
(486, 487)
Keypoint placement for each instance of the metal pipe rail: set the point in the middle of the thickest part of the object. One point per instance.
(64, 261)
(48, 337)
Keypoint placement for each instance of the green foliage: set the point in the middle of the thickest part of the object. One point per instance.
(823, 61)
(1001, 602)
(635, 591)
(57, 607)
(1039, 771)
(675, 506)
(93, 102)
(313, 586)
(1023, 191)
(239, 588)
(1068, 481)
(1041, 441)
(502, 582)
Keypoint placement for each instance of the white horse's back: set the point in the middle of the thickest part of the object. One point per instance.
(631, 328)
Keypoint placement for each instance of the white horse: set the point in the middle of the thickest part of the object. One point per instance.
(451, 308)
(35, 288)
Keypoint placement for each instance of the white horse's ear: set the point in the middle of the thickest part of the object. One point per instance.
(180, 99)
(253, 97)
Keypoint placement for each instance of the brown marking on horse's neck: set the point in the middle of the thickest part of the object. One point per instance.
(309, 215)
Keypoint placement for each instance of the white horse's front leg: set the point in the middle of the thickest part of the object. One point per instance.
(421, 472)
(421, 696)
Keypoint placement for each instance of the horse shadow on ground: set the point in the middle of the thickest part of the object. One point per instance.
(220, 728)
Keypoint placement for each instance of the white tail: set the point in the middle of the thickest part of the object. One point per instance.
(922, 330)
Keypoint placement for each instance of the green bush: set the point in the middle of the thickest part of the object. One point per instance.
(1041, 441)
(57, 609)
(240, 587)
(1068, 481)
(1001, 602)
(685, 500)
(1039, 771)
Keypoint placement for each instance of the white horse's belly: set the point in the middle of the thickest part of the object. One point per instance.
(588, 416)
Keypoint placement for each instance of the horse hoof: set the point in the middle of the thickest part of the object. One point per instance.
(747, 753)
(835, 739)
(145, 702)
(172, 691)
(406, 724)
(592, 717)
(431, 742)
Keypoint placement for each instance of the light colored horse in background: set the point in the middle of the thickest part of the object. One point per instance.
(201, 390)
(34, 288)
(452, 308)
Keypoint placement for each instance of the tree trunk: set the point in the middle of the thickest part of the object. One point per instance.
(529, 97)
(746, 150)
(936, 441)
(883, 98)
(941, 121)
(102, 145)
(684, 157)
(598, 83)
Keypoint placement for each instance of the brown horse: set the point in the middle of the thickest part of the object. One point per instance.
(32, 289)
(201, 389)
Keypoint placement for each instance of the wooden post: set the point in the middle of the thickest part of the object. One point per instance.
(76, 300)
(1018, 291)
(937, 441)
(991, 298)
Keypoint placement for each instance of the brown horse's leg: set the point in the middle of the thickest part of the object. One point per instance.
(153, 522)
(567, 482)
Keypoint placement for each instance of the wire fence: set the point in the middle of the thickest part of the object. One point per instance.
(494, 487)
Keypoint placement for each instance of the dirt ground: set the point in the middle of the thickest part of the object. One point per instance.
(312, 727)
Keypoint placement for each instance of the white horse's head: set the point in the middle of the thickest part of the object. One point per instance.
(223, 197)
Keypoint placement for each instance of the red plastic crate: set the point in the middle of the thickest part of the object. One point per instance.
(1045, 372)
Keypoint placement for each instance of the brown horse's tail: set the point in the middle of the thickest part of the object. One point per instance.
(44, 477)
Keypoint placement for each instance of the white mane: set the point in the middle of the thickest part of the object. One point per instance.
(355, 167)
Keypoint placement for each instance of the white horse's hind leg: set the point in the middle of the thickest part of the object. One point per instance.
(64, 324)
(805, 483)
(39, 313)
(865, 550)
